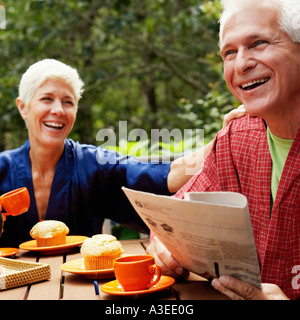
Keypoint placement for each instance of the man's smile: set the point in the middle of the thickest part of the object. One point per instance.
(253, 84)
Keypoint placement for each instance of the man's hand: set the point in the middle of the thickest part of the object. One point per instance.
(164, 259)
(239, 290)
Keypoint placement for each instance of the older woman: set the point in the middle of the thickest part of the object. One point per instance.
(65, 179)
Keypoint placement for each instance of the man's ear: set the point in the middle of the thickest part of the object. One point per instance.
(21, 107)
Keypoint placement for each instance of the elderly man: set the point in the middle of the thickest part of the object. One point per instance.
(259, 155)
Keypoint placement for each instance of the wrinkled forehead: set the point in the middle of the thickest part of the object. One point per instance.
(249, 22)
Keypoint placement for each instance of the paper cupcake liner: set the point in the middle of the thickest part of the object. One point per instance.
(98, 263)
(48, 242)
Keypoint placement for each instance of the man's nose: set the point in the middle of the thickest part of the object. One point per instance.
(244, 61)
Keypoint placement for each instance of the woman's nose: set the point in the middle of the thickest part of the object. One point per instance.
(57, 108)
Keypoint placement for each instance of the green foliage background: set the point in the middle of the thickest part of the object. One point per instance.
(154, 63)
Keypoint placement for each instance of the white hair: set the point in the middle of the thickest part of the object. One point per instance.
(41, 71)
(289, 14)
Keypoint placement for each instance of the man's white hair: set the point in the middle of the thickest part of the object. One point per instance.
(41, 71)
(289, 14)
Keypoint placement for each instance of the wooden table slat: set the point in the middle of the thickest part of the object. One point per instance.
(196, 288)
(49, 289)
(73, 281)
(19, 293)
(77, 287)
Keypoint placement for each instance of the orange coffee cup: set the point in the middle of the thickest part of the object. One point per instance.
(137, 272)
(15, 202)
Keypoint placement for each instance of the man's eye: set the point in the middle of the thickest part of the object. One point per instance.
(228, 53)
(259, 43)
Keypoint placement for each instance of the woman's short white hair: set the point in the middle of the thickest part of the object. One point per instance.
(41, 71)
(289, 14)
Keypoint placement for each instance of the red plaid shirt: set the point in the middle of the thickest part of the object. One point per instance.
(240, 161)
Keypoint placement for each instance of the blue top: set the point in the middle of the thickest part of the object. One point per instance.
(86, 189)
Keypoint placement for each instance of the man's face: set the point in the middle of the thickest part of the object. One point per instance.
(261, 63)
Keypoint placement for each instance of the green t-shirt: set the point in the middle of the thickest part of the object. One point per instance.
(279, 149)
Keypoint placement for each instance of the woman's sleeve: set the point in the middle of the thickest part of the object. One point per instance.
(129, 172)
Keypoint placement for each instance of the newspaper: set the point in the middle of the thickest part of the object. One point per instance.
(209, 233)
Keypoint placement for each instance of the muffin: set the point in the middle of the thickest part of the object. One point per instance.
(105, 238)
(49, 233)
(100, 251)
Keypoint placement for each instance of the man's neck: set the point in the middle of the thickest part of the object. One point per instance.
(284, 127)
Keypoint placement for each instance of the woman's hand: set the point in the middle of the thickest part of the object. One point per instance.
(234, 114)
(164, 259)
(183, 168)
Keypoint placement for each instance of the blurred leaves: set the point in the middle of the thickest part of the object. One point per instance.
(154, 63)
(170, 148)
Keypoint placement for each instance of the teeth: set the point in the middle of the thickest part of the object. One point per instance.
(254, 82)
(54, 124)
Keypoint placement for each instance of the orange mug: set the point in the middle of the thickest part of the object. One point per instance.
(15, 202)
(136, 272)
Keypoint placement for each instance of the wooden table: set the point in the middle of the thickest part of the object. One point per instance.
(68, 286)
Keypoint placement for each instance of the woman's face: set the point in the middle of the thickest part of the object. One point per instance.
(51, 114)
